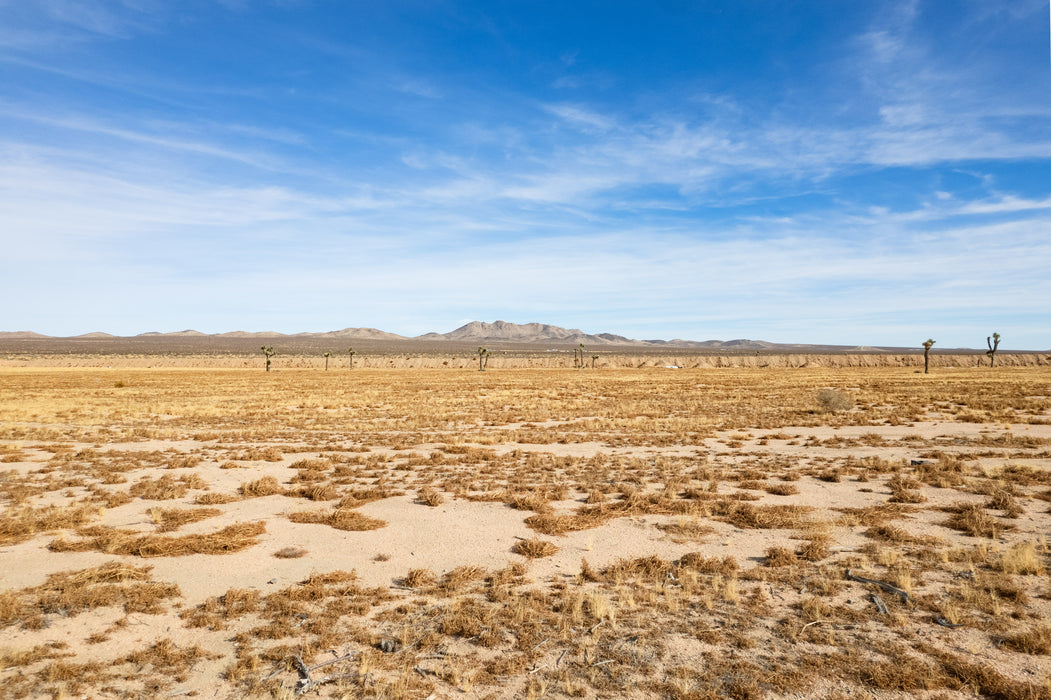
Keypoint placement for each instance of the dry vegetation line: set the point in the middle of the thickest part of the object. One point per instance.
(622, 533)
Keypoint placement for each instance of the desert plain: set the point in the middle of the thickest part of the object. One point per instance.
(754, 528)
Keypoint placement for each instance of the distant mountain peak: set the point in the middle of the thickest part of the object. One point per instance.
(504, 331)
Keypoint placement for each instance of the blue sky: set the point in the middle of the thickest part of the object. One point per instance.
(862, 173)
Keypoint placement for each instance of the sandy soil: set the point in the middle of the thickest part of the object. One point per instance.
(475, 528)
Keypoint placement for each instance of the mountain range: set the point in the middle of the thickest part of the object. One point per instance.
(475, 332)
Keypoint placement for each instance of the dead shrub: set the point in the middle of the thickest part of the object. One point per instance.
(652, 567)
(749, 516)
(214, 499)
(972, 519)
(430, 497)
(232, 538)
(72, 592)
(695, 561)
(834, 401)
(816, 548)
(1020, 558)
(595, 497)
(21, 523)
(983, 679)
(686, 530)
(170, 519)
(780, 556)
(903, 495)
(890, 533)
(419, 578)
(535, 548)
(552, 524)
(162, 489)
(459, 577)
(265, 486)
(1034, 641)
(341, 519)
(783, 488)
(314, 492)
(1003, 500)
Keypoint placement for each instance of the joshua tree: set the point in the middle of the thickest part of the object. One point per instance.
(351, 352)
(483, 358)
(993, 343)
(593, 359)
(268, 351)
(578, 357)
(927, 354)
(328, 354)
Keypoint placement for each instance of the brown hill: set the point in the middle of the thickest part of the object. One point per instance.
(528, 333)
(21, 335)
(175, 334)
(359, 334)
(250, 334)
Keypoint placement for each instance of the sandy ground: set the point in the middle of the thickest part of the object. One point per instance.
(471, 532)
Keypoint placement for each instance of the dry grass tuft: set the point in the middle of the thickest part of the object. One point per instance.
(780, 556)
(552, 524)
(1020, 558)
(419, 578)
(890, 533)
(215, 499)
(535, 548)
(72, 592)
(170, 519)
(816, 548)
(983, 679)
(22, 523)
(834, 401)
(696, 561)
(265, 486)
(341, 519)
(166, 487)
(430, 497)
(290, 553)
(972, 519)
(459, 577)
(1034, 641)
(10, 658)
(1002, 499)
(232, 538)
(749, 516)
(686, 530)
(648, 567)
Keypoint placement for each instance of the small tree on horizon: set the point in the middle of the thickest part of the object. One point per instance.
(993, 344)
(594, 358)
(268, 352)
(483, 358)
(351, 352)
(328, 354)
(578, 357)
(927, 354)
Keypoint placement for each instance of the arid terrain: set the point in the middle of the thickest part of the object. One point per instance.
(191, 525)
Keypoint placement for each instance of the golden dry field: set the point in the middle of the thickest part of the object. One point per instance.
(844, 532)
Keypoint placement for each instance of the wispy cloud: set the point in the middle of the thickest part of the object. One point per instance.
(50, 23)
